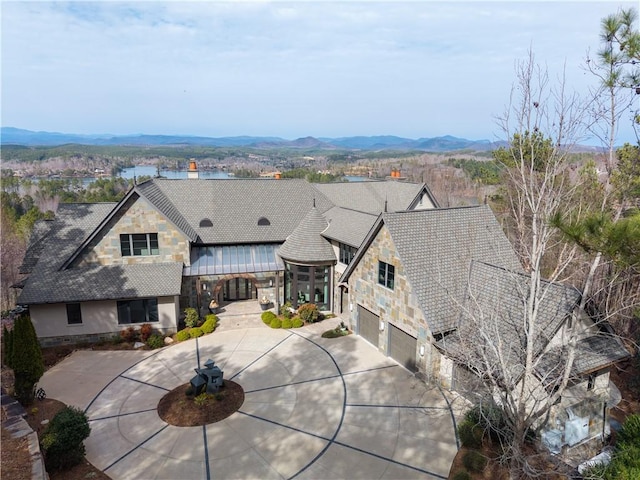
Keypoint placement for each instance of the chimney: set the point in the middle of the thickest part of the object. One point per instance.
(193, 170)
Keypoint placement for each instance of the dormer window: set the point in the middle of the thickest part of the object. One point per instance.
(205, 222)
(263, 221)
(139, 244)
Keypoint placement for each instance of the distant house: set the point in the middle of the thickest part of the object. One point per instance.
(172, 244)
(425, 285)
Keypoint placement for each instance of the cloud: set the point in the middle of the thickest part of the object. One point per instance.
(282, 68)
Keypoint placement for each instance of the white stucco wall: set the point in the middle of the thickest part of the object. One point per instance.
(99, 317)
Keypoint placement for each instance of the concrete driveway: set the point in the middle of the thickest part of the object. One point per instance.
(314, 408)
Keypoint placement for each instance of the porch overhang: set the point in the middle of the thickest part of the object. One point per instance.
(226, 259)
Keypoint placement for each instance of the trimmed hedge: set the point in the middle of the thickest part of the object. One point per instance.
(267, 317)
(287, 323)
(183, 335)
(297, 322)
(196, 332)
(210, 323)
(276, 323)
(155, 341)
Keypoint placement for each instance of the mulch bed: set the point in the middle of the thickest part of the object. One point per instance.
(176, 408)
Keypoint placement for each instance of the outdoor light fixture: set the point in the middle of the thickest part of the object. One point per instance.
(422, 350)
(381, 326)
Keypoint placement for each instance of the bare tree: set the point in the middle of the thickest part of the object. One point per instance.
(513, 323)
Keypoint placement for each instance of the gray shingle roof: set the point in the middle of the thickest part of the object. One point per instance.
(306, 244)
(37, 242)
(592, 353)
(494, 307)
(348, 226)
(103, 283)
(234, 207)
(436, 248)
(370, 197)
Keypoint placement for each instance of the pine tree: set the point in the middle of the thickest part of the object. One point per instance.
(26, 359)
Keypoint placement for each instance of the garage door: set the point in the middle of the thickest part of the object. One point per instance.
(402, 348)
(368, 325)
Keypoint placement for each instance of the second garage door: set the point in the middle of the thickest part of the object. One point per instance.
(368, 325)
(402, 347)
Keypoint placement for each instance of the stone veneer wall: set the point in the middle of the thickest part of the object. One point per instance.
(139, 216)
(398, 306)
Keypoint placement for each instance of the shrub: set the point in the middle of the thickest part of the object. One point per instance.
(470, 434)
(297, 322)
(145, 331)
(462, 475)
(129, 334)
(625, 464)
(183, 335)
(285, 310)
(276, 323)
(155, 341)
(203, 399)
(308, 312)
(196, 332)
(26, 359)
(488, 418)
(209, 324)
(630, 431)
(191, 317)
(474, 461)
(62, 440)
(287, 323)
(267, 317)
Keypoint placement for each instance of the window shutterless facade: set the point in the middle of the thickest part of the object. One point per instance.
(138, 244)
(74, 314)
(386, 274)
(141, 310)
(308, 284)
(347, 252)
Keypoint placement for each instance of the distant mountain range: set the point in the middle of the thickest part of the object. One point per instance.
(17, 136)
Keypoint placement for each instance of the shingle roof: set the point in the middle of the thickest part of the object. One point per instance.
(103, 283)
(234, 207)
(493, 308)
(592, 353)
(306, 244)
(436, 248)
(348, 226)
(37, 242)
(370, 197)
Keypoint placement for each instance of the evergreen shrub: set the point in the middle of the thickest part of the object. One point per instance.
(62, 441)
(196, 332)
(183, 335)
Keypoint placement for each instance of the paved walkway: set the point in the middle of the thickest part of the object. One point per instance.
(314, 408)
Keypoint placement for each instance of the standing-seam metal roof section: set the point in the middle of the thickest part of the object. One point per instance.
(235, 206)
(222, 260)
(306, 244)
(370, 196)
(436, 248)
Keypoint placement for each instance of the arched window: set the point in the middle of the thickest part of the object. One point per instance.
(263, 221)
(205, 222)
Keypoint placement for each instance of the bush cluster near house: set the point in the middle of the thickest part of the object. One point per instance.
(288, 318)
(145, 334)
(195, 327)
(625, 463)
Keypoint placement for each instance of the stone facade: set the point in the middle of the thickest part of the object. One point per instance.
(398, 307)
(138, 217)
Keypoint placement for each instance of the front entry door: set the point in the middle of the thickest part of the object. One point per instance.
(239, 289)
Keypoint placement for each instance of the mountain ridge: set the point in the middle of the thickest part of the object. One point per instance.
(30, 138)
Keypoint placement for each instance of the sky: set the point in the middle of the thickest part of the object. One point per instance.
(287, 69)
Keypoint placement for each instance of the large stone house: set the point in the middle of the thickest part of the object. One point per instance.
(428, 288)
(170, 244)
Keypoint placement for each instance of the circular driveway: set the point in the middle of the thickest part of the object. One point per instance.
(314, 408)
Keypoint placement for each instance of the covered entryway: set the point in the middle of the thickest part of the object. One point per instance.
(402, 347)
(368, 325)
